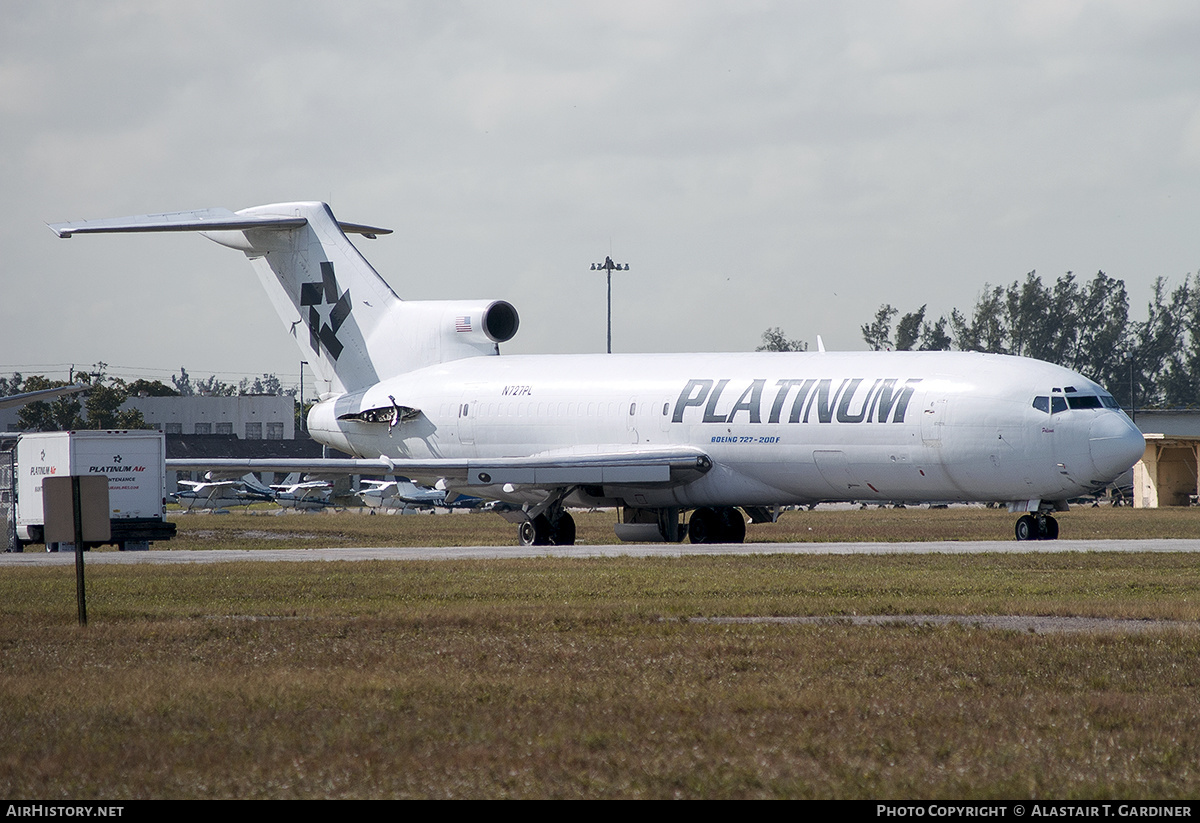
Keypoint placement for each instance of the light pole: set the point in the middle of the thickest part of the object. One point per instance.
(609, 266)
(303, 363)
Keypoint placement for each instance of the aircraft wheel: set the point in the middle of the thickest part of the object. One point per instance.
(1027, 527)
(563, 531)
(1050, 532)
(733, 525)
(670, 535)
(535, 532)
(704, 526)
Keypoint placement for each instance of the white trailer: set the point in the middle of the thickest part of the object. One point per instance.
(133, 461)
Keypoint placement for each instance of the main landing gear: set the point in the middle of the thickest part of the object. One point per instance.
(544, 531)
(548, 523)
(720, 525)
(1037, 527)
(708, 524)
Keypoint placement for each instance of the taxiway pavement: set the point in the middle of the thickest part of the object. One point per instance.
(31, 558)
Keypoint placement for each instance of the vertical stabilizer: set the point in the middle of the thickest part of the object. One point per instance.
(335, 305)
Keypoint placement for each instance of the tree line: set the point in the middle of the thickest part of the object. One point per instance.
(99, 407)
(1084, 326)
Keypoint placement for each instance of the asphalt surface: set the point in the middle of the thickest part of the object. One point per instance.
(31, 558)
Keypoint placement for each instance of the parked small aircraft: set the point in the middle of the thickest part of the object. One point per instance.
(294, 493)
(402, 493)
(219, 494)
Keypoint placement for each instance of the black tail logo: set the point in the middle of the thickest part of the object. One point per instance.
(327, 311)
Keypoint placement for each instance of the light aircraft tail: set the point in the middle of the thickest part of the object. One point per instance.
(347, 321)
(254, 486)
(291, 480)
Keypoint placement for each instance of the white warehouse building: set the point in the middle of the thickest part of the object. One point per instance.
(246, 416)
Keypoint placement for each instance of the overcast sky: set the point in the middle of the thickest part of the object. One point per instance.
(757, 164)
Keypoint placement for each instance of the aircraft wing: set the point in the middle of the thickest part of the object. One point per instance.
(205, 483)
(309, 491)
(198, 485)
(378, 485)
(650, 467)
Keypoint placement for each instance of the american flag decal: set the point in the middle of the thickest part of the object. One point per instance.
(462, 323)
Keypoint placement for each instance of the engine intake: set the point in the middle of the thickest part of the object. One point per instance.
(500, 321)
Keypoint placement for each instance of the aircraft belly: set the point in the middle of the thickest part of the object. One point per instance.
(997, 461)
(828, 464)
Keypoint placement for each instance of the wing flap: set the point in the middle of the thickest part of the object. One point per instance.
(664, 467)
(587, 475)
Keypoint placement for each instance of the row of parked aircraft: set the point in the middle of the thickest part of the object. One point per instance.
(296, 493)
(418, 388)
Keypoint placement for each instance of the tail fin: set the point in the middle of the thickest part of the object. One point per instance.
(253, 484)
(324, 290)
(347, 321)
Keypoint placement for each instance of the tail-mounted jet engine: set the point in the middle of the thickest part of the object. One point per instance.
(454, 329)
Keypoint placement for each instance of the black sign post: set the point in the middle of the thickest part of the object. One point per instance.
(76, 511)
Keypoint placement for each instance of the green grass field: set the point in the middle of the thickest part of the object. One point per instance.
(572, 678)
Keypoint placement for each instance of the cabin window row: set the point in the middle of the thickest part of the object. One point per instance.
(547, 409)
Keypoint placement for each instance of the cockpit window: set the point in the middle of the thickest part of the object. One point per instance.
(1055, 404)
(1052, 405)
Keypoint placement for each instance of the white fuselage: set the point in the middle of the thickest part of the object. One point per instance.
(206, 496)
(780, 428)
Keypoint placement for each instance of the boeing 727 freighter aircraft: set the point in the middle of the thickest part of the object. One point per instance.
(418, 388)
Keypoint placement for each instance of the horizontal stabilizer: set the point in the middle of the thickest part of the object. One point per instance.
(199, 220)
(40, 395)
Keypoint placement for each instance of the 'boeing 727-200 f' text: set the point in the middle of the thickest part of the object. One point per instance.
(418, 388)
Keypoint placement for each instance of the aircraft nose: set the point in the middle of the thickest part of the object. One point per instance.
(1115, 445)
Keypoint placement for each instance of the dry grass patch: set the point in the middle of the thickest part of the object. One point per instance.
(386, 708)
(584, 678)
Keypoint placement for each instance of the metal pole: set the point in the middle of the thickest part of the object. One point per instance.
(607, 266)
(1132, 394)
(77, 511)
(303, 420)
(610, 308)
